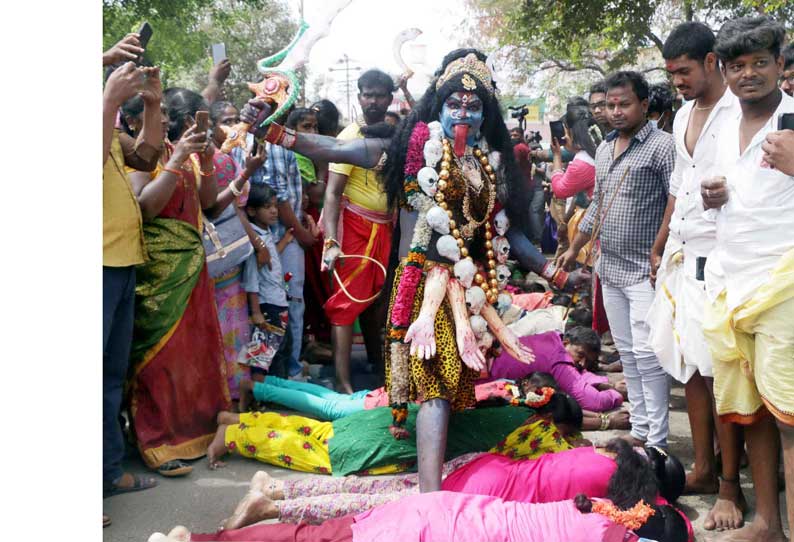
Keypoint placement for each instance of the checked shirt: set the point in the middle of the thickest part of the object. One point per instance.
(630, 226)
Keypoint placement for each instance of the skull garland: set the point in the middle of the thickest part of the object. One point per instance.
(501, 222)
(438, 220)
(427, 178)
(475, 299)
(478, 325)
(501, 248)
(448, 248)
(464, 271)
(502, 275)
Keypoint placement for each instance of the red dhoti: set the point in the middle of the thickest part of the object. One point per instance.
(361, 236)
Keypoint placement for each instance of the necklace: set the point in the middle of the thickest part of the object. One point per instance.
(489, 284)
(696, 108)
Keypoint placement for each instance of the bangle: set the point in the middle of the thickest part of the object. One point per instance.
(281, 136)
(244, 176)
(172, 171)
(331, 242)
(234, 189)
(207, 174)
(604, 421)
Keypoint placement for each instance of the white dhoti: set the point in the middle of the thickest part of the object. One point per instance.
(676, 317)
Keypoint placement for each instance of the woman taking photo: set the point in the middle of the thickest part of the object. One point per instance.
(177, 381)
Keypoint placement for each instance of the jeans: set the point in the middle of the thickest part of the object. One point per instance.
(648, 384)
(293, 261)
(537, 214)
(528, 255)
(118, 310)
(317, 401)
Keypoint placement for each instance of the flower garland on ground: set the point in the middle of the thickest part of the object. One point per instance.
(532, 400)
(633, 518)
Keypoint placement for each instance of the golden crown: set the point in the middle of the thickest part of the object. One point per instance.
(472, 66)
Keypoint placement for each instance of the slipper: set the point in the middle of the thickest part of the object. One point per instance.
(139, 483)
(106, 521)
(171, 469)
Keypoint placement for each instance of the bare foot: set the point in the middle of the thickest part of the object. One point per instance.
(254, 507)
(728, 511)
(227, 418)
(179, 534)
(217, 449)
(701, 485)
(754, 532)
(246, 395)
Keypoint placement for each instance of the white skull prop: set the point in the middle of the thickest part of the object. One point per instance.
(435, 129)
(501, 248)
(478, 325)
(428, 181)
(475, 299)
(437, 219)
(503, 302)
(501, 222)
(464, 271)
(502, 274)
(495, 159)
(448, 248)
(485, 343)
(433, 152)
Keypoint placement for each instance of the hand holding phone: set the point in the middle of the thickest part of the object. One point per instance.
(145, 33)
(557, 131)
(202, 122)
(218, 52)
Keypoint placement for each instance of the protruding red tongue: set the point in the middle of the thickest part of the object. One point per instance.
(461, 134)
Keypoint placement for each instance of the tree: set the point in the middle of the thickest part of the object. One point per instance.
(574, 35)
(184, 30)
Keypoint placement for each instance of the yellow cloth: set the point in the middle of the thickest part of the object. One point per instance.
(363, 186)
(532, 440)
(753, 349)
(293, 442)
(122, 225)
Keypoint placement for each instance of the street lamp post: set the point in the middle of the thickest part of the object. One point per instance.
(346, 60)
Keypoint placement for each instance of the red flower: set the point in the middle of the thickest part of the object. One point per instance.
(305, 430)
(232, 445)
(321, 470)
(307, 446)
(272, 434)
(286, 459)
(535, 444)
(251, 449)
(511, 454)
(325, 442)
(415, 155)
(556, 435)
(242, 426)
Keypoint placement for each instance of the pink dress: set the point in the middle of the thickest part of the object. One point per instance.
(444, 516)
(550, 477)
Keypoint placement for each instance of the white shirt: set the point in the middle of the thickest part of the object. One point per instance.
(688, 227)
(756, 226)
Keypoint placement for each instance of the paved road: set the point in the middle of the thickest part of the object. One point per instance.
(201, 500)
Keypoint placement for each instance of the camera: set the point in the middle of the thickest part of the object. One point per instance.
(519, 112)
(534, 137)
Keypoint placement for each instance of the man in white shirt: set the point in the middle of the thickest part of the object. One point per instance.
(750, 273)
(684, 242)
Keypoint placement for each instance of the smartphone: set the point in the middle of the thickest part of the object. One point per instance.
(202, 121)
(557, 131)
(218, 52)
(145, 32)
(254, 147)
(700, 268)
(785, 121)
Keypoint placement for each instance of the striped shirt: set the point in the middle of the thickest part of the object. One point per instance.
(631, 224)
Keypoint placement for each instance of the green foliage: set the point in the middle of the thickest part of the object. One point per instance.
(185, 29)
(572, 35)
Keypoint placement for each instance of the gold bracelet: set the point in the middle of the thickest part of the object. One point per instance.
(604, 421)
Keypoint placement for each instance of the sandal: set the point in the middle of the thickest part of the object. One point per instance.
(106, 521)
(174, 468)
(139, 483)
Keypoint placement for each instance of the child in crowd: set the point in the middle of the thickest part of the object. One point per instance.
(265, 285)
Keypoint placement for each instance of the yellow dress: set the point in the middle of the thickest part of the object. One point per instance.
(301, 444)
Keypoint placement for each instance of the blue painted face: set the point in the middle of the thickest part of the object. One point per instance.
(462, 108)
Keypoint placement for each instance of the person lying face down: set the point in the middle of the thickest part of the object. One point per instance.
(629, 511)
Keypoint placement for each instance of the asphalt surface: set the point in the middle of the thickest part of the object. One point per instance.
(201, 500)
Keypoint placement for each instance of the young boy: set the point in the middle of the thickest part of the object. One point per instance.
(266, 288)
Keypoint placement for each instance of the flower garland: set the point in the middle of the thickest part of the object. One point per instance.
(532, 400)
(414, 267)
(633, 518)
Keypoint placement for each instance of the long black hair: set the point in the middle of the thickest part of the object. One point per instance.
(579, 121)
(428, 108)
(632, 481)
(181, 104)
(669, 472)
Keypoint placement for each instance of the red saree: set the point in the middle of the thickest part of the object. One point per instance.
(178, 381)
